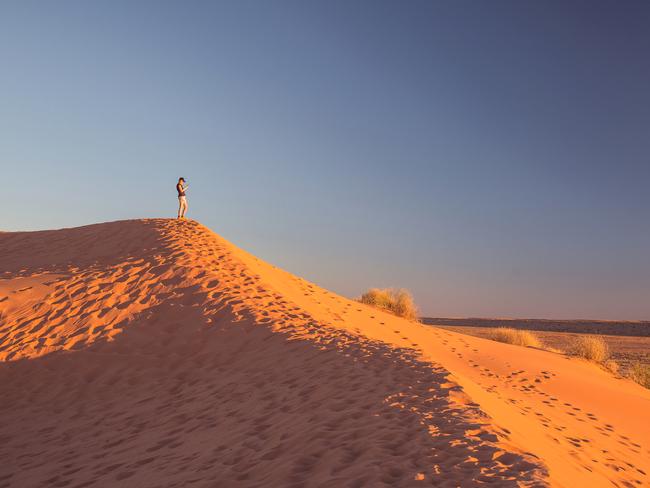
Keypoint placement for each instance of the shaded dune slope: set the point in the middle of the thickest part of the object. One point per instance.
(154, 353)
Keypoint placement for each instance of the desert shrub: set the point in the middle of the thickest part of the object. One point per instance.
(640, 373)
(611, 366)
(398, 301)
(377, 298)
(593, 348)
(514, 336)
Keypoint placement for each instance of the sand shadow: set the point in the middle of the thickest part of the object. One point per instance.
(181, 398)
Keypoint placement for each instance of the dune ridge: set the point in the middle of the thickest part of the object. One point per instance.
(155, 353)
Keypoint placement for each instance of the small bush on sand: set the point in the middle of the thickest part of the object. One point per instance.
(514, 336)
(611, 366)
(398, 301)
(593, 348)
(641, 374)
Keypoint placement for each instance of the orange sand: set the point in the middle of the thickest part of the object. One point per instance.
(154, 353)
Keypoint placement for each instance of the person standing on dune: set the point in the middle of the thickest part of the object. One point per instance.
(182, 201)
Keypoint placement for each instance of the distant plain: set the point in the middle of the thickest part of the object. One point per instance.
(628, 341)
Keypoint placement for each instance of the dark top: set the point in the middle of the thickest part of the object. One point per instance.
(179, 189)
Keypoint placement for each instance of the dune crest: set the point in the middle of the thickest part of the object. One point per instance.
(155, 353)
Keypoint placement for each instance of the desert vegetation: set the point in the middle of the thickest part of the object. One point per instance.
(514, 336)
(612, 366)
(592, 348)
(624, 356)
(396, 300)
(640, 373)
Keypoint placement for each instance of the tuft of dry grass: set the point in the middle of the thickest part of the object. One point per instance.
(611, 366)
(592, 348)
(640, 373)
(514, 336)
(398, 301)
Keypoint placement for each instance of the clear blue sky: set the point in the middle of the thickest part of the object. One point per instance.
(493, 157)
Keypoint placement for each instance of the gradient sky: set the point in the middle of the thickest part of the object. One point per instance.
(493, 157)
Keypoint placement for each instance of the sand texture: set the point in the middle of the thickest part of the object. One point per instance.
(154, 353)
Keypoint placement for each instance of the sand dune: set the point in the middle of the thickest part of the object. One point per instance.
(154, 353)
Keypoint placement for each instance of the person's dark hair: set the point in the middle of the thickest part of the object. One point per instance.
(181, 179)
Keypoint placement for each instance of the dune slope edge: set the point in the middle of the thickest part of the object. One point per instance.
(155, 353)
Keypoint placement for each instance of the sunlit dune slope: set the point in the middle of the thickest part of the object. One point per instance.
(154, 353)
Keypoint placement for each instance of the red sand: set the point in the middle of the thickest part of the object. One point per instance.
(154, 353)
